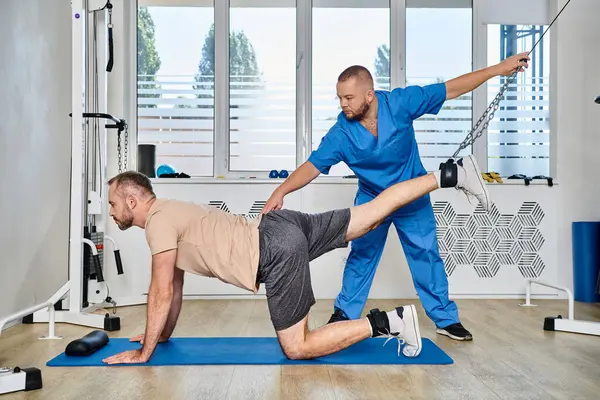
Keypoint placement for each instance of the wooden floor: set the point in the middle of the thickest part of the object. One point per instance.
(511, 357)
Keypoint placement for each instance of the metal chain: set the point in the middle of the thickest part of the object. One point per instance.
(119, 151)
(126, 152)
(486, 118)
(474, 134)
(122, 155)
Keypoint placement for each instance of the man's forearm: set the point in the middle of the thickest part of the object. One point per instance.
(159, 304)
(173, 314)
(469, 82)
(298, 179)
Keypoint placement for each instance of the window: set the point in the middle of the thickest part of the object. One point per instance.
(251, 118)
(341, 37)
(262, 82)
(519, 135)
(175, 93)
(439, 48)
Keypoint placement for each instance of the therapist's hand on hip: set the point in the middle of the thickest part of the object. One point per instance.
(301, 177)
(275, 202)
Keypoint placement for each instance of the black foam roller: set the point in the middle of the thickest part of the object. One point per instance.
(146, 160)
(87, 345)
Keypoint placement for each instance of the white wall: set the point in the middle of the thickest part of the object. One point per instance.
(515, 237)
(34, 150)
(578, 76)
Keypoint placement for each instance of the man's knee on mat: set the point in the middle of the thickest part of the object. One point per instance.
(293, 340)
(295, 352)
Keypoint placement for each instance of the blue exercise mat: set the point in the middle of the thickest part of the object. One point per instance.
(253, 350)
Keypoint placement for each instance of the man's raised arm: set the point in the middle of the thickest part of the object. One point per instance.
(466, 83)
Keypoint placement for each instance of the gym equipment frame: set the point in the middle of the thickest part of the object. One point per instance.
(79, 312)
(18, 379)
(570, 324)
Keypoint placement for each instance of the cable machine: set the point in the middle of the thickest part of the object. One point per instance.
(86, 291)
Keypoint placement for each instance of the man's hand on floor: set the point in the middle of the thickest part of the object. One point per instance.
(127, 357)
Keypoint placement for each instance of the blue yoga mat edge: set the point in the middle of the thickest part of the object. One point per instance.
(254, 351)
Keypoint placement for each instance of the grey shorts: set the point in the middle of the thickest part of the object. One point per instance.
(289, 240)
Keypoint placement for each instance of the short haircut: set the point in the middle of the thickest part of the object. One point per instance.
(356, 71)
(132, 180)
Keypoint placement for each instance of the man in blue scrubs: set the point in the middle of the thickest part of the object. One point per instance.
(374, 136)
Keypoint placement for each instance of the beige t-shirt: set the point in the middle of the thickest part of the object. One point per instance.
(209, 242)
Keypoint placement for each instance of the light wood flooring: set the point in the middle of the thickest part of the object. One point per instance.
(511, 357)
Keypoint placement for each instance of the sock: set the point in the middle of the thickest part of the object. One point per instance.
(461, 176)
(438, 177)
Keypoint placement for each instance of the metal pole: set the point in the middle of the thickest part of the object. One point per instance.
(51, 321)
(77, 157)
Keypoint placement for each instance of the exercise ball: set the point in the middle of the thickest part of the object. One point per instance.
(164, 169)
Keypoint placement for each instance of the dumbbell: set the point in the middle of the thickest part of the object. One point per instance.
(281, 174)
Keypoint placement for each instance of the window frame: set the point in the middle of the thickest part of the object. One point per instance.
(221, 111)
(221, 146)
(535, 14)
(222, 134)
(456, 4)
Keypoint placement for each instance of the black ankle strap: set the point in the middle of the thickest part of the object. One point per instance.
(379, 322)
(449, 174)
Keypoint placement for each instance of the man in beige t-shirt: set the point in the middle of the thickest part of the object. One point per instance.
(276, 250)
(209, 241)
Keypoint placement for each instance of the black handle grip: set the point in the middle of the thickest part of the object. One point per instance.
(110, 64)
(99, 274)
(118, 261)
(120, 124)
(99, 115)
(597, 100)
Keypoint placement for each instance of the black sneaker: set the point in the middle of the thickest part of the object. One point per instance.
(338, 315)
(456, 332)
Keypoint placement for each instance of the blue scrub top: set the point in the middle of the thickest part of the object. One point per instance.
(393, 156)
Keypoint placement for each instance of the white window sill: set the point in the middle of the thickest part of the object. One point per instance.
(319, 180)
(229, 181)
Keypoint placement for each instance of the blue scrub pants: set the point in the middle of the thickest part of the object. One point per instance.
(417, 232)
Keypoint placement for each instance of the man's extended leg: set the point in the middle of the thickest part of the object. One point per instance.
(463, 175)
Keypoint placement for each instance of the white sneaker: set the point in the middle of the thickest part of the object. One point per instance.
(472, 183)
(404, 326)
